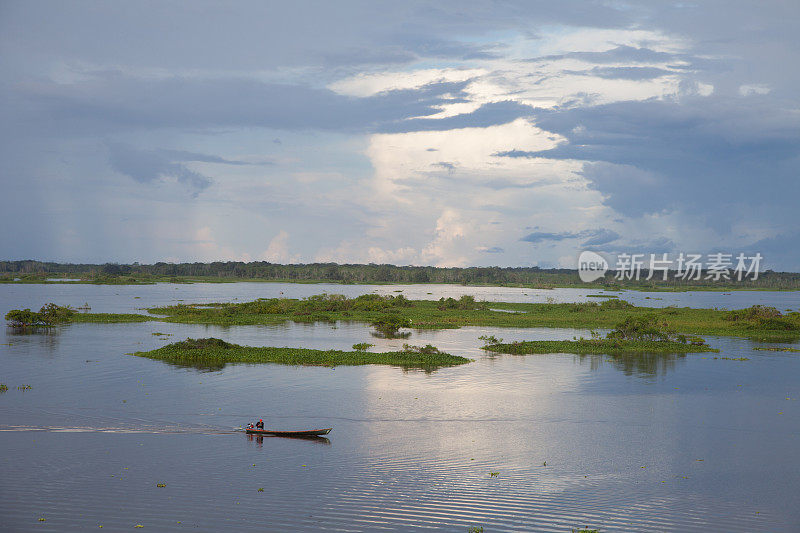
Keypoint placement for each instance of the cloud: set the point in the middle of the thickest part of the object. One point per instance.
(491, 250)
(619, 54)
(693, 154)
(747, 90)
(624, 73)
(591, 237)
(658, 123)
(489, 114)
(278, 250)
(147, 166)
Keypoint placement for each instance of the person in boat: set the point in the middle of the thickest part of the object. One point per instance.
(250, 425)
(260, 424)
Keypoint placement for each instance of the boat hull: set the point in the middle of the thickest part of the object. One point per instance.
(276, 433)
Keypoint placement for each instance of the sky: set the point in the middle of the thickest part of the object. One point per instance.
(412, 133)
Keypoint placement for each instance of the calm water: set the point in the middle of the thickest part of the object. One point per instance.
(656, 444)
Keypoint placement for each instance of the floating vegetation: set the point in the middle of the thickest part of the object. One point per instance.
(602, 296)
(49, 315)
(389, 325)
(586, 530)
(261, 489)
(776, 349)
(214, 354)
(158, 334)
(494, 474)
(24, 387)
(490, 339)
(362, 346)
(733, 358)
(3, 387)
(161, 485)
(475, 529)
(635, 334)
(466, 302)
(761, 317)
(597, 346)
(391, 313)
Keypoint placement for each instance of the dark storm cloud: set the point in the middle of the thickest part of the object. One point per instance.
(619, 54)
(486, 115)
(146, 166)
(623, 73)
(695, 154)
(593, 237)
(115, 102)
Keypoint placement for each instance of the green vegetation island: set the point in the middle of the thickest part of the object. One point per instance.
(390, 313)
(31, 271)
(644, 334)
(214, 354)
(598, 346)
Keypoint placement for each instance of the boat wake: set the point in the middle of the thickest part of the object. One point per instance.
(166, 430)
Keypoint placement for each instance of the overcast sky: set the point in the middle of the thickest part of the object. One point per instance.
(435, 133)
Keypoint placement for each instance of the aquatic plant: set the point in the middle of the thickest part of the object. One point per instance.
(49, 315)
(3, 387)
(362, 346)
(611, 346)
(390, 324)
(466, 302)
(754, 312)
(615, 304)
(490, 339)
(642, 328)
(428, 349)
(425, 314)
(765, 318)
(214, 354)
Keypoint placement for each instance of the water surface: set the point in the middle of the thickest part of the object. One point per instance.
(670, 443)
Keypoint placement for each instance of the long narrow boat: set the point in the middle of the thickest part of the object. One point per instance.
(277, 433)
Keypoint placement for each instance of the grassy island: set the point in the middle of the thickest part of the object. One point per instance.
(212, 354)
(764, 323)
(598, 346)
(635, 335)
(759, 322)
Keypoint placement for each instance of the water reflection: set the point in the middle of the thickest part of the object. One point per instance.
(46, 339)
(634, 364)
(259, 439)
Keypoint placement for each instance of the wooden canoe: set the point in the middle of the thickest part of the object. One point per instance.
(277, 433)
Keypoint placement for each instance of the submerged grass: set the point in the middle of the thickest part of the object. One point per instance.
(214, 353)
(598, 346)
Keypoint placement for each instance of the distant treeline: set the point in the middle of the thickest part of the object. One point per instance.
(371, 273)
